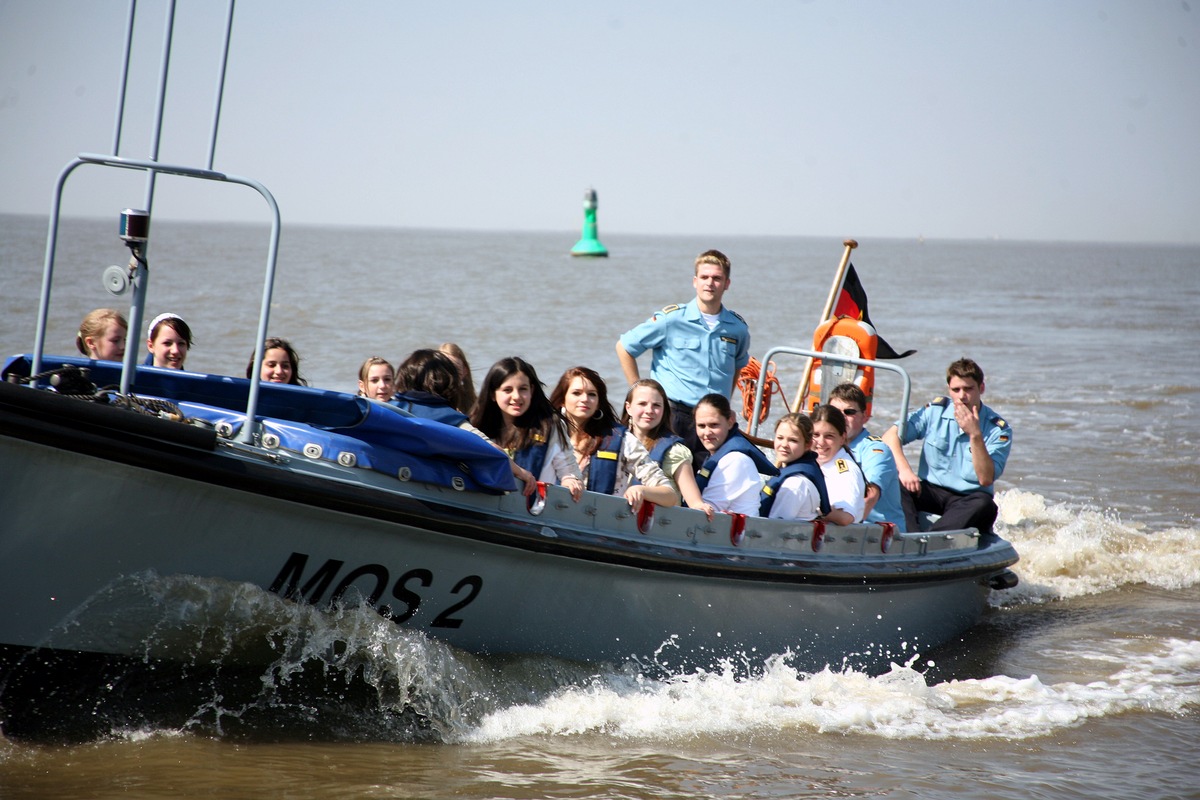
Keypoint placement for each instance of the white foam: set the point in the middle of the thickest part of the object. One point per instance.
(1161, 676)
(1072, 552)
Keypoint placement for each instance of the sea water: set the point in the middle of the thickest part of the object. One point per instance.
(1083, 681)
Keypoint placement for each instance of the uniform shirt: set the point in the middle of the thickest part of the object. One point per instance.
(687, 358)
(734, 485)
(845, 485)
(946, 451)
(797, 499)
(879, 468)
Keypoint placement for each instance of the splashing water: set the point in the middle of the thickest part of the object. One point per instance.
(1067, 552)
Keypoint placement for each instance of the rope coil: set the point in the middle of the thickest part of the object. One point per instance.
(748, 383)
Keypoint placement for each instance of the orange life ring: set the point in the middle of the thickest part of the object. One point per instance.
(844, 336)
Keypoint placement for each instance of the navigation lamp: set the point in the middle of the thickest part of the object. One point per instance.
(135, 226)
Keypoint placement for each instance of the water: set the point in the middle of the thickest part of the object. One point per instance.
(1082, 682)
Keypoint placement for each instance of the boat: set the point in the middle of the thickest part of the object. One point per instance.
(117, 475)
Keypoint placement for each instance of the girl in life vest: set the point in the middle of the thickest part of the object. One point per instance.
(611, 460)
(514, 412)
(376, 379)
(798, 491)
(729, 479)
(844, 479)
(646, 418)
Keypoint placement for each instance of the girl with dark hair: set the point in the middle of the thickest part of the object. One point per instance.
(611, 461)
(514, 412)
(168, 338)
(844, 479)
(729, 478)
(280, 364)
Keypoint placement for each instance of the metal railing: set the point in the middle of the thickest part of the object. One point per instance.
(842, 359)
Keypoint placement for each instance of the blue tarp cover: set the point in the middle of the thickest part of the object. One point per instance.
(381, 437)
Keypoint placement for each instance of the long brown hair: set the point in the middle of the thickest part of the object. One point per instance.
(599, 424)
(539, 420)
(469, 397)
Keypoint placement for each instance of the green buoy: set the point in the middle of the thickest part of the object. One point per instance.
(589, 245)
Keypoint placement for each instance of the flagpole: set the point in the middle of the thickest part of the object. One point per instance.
(830, 303)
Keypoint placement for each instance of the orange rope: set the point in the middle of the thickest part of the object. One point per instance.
(748, 382)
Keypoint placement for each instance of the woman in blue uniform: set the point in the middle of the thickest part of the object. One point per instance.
(610, 460)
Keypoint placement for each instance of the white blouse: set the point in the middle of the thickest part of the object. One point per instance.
(734, 485)
(845, 484)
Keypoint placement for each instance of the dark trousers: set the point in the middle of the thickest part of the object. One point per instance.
(683, 424)
(958, 509)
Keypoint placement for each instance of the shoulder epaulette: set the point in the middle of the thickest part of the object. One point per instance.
(940, 401)
(873, 438)
(666, 310)
(736, 314)
(999, 423)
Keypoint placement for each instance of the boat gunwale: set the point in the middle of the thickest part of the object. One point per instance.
(172, 448)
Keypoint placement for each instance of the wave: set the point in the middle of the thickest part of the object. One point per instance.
(1068, 551)
(897, 705)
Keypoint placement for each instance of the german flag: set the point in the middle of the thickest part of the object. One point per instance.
(852, 302)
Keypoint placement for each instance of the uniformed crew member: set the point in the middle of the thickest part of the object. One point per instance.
(965, 448)
(696, 349)
(879, 467)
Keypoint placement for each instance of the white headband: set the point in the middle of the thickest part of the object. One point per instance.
(154, 323)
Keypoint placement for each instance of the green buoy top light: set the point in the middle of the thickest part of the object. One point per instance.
(589, 245)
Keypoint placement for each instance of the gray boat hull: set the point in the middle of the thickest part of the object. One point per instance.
(89, 513)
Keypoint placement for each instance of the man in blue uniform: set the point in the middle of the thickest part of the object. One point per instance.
(965, 448)
(878, 466)
(696, 349)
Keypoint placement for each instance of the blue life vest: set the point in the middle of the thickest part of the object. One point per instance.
(659, 451)
(805, 465)
(736, 443)
(428, 406)
(602, 471)
(533, 457)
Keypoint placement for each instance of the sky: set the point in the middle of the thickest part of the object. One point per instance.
(1069, 120)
